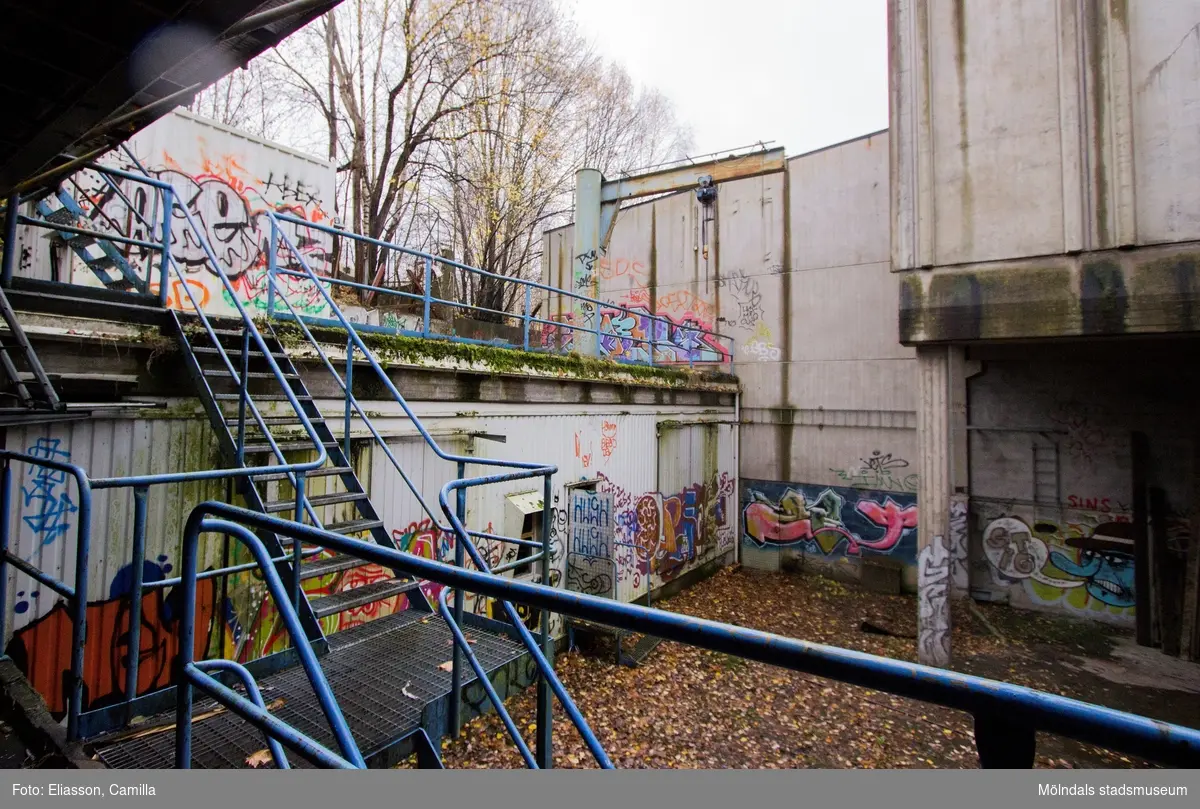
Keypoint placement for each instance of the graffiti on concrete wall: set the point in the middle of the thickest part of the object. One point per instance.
(1084, 565)
(228, 202)
(630, 335)
(933, 604)
(42, 649)
(881, 471)
(829, 520)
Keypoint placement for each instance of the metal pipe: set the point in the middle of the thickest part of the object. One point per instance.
(255, 696)
(95, 234)
(425, 324)
(297, 548)
(243, 395)
(545, 712)
(5, 516)
(66, 168)
(165, 270)
(1093, 724)
(304, 746)
(163, 584)
(516, 563)
(456, 656)
(11, 215)
(460, 643)
(264, 18)
(525, 319)
(83, 539)
(64, 590)
(308, 658)
(349, 387)
(135, 596)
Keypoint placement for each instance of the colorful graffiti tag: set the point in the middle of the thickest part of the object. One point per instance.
(228, 203)
(42, 649)
(628, 336)
(829, 519)
(662, 535)
(1083, 565)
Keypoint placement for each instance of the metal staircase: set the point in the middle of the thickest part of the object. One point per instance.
(250, 440)
(101, 256)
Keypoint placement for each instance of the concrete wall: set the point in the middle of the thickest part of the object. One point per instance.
(1032, 139)
(797, 272)
(1052, 466)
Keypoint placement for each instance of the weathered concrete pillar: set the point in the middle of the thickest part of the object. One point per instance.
(585, 270)
(941, 551)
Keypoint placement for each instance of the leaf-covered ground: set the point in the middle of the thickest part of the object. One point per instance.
(685, 707)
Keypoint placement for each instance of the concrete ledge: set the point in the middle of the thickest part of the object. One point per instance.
(24, 709)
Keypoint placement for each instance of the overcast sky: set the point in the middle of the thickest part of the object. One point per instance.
(803, 73)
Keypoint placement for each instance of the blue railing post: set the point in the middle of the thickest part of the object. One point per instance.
(164, 270)
(271, 247)
(83, 540)
(135, 595)
(596, 328)
(5, 506)
(653, 338)
(297, 545)
(243, 395)
(349, 392)
(9, 260)
(427, 295)
(456, 656)
(528, 310)
(545, 705)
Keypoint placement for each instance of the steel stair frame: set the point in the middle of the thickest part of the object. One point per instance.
(70, 212)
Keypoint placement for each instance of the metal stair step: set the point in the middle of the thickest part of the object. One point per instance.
(324, 471)
(249, 375)
(353, 526)
(642, 649)
(276, 420)
(367, 594)
(255, 352)
(320, 500)
(315, 568)
(285, 446)
(262, 397)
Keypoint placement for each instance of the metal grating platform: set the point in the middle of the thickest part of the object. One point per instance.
(368, 667)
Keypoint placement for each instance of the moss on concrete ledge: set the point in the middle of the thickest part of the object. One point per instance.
(419, 351)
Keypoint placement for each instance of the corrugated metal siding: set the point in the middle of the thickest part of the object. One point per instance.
(617, 451)
(43, 531)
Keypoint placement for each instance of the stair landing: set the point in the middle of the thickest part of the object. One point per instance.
(386, 676)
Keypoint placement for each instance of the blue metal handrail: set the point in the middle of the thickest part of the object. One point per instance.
(1025, 708)
(76, 595)
(526, 317)
(194, 674)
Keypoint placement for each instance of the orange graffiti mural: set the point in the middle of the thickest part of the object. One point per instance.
(42, 650)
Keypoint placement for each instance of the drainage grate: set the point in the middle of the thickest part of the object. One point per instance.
(368, 667)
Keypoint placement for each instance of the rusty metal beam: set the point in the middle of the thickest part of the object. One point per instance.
(682, 178)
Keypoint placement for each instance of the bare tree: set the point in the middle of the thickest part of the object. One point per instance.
(245, 99)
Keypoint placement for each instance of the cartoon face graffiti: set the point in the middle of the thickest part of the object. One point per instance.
(1105, 564)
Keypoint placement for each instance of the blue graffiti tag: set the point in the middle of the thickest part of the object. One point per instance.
(44, 487)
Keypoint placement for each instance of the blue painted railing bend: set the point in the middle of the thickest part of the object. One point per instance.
(194, 674)
(76, 594)
(1025, 708)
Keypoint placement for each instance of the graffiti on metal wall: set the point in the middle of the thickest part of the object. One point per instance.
(591, 523)
(47, 500)
(42, 649)
(663, 535)
(829, 519)
(1084, 565)
(228, 203)
(881, 471)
